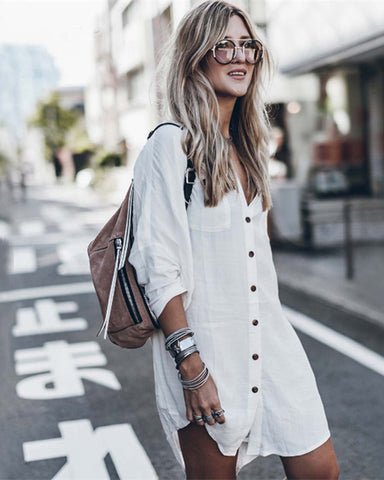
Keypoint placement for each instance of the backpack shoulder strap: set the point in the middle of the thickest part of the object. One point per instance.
(190, 173)
(160, 125)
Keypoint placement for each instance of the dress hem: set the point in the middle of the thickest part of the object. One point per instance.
(301, 452)
(244, 458)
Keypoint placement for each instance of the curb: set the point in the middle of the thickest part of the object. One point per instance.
(335, 301)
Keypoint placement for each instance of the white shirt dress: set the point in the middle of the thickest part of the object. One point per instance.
(219, 259)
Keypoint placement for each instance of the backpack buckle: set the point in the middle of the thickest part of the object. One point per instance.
(187, 180)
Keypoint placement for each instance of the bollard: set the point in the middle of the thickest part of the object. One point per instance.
(348, 246)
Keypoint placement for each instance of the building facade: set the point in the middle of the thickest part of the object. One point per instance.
(27, 73)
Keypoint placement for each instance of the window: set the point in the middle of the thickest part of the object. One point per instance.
(135, 84)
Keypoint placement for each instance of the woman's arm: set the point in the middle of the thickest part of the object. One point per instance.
(171, 319)
(205, 398)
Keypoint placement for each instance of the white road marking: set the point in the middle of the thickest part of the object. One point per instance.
(71, 226)
(44, 317)
(54, 213)
(86, 448)
(5, 230)
(73, 258)
(62, 364)
(336, 340)
(31, 228)
(22, 260)
(50, 238)
(67, 289)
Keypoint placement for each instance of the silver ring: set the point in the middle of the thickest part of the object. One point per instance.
(218, 413)
(197, 418)
(208, 418)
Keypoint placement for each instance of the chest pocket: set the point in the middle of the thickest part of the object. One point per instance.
(208, 219)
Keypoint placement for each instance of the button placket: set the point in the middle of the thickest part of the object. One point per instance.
(254, 333)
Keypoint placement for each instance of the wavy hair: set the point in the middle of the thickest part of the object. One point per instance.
(192, 102)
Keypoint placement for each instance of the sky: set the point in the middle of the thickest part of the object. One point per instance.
(64, 27)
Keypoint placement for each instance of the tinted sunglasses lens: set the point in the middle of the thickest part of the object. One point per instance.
(253, 51)
(224, 52)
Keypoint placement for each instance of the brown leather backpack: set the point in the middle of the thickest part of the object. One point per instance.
(128, 319)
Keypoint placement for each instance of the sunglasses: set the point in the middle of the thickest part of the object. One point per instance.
(225, 51)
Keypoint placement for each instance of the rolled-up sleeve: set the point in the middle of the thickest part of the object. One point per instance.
(161, 252)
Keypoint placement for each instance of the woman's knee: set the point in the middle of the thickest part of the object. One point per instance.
(320, 463)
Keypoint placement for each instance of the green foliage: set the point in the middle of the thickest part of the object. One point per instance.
(110, 160)
(54, 122)
(77, 139)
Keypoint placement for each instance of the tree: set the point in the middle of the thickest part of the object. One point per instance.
(55, 122)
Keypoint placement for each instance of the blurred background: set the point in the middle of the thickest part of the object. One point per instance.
(78, 97)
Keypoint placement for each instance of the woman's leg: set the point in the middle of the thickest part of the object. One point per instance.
(320, 464)
(202, 457)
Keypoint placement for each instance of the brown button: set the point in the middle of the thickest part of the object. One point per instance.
(255, 356)
(255, 389)
(251, 254)
(255, 322)
(253, 288)
(247, 219)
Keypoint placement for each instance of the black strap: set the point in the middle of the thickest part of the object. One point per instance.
(190, 173)
(189, 180)
(160, 125)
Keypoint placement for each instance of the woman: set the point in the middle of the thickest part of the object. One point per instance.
(243, 386)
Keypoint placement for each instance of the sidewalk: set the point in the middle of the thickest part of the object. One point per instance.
(321, 275)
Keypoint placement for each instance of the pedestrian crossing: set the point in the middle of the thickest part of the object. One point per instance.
(22, 260)
(70, 258)
(4, 230)
(69, 234)
(30, 228)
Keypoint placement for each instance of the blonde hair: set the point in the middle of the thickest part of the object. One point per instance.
(191, 101)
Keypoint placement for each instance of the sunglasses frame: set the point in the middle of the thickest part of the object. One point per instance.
(235, 48)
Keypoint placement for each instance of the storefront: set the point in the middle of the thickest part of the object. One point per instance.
(348, 145)
(334, 127)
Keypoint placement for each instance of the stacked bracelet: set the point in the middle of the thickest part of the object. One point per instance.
(184, 354)
(196, 382)
(180, 344)
(174, 337)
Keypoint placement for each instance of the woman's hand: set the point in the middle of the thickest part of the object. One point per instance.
(203, 401)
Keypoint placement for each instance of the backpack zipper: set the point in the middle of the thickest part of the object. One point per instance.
(118, 245)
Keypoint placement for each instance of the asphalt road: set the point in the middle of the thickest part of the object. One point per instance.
(75, 406)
